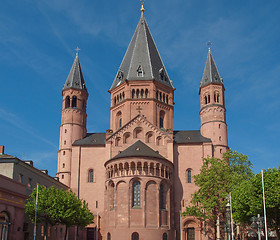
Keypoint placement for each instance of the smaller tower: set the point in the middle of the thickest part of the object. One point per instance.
(212, 107)
(73, 119)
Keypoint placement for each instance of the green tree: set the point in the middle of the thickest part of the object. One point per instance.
(57, 206)
(216, 180)
(248, 199)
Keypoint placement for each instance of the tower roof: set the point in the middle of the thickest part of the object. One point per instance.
(75, 77)
(211, 74)
(142, 60)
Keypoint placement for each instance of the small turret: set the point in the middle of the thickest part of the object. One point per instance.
(212, 107)
(73, 118)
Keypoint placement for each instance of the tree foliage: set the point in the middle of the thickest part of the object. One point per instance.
(248, 199)
(216, 180)
(57, 206)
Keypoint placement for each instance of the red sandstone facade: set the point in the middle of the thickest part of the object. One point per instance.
(137, 177)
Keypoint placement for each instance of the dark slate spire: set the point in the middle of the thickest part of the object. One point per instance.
(142, 60)
(75, 77)
(211, 74)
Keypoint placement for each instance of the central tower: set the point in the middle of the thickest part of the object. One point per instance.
(142, 84)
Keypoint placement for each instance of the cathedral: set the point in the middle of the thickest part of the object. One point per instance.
(137, 176)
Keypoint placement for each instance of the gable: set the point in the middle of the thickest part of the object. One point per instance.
(139, 128)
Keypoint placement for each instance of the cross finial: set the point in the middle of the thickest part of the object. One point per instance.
(139, 109)
(77, 50)
(209, 45)
(142, 6)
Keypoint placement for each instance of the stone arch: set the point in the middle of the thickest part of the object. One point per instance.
(135, 236)
(119, 182)
(145, 168)
(146, 93)
(151, 203)
(150, 137)
(152, 168)
(188, 175)
(127, 137)
(121, 169)
(111, 195)
(126, 168)
(159, 141)
(161, 119)
(138, 132)
(191, 228)
(142, 93)
(5, 220)
(121, 202)
(91, 175)
(67, 102)
(74, 102)
(136, 192)
(118, 142)
(118, 120)
(157, 173)
(133, 168)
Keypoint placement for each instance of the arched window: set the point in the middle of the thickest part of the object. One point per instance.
(162, 202)
(205, 98)
(140, 72)
(108, 236)
(164, 236)
(146, 93)
(189, 175)
(157, 95)
(111, 195)
(160, 96)
(136, 194)
(74, 102)
(67, 102)
(163, 97)
(133, 93)
(167, 99)
(118, 120)
(5, 222)
(161, 119)
(135, 236)
(137, 93)
(142, 93)
(115, 100)
(208, 98)
(90, 175)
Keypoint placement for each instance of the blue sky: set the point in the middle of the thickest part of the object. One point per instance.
(38, 39)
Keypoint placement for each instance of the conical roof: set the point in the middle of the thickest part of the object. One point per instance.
(142, 60)
(139, 149)
(211, 74)
(75, 77)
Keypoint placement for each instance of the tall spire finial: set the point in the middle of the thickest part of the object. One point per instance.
(142, 6)
(209, 45)
(77, 50)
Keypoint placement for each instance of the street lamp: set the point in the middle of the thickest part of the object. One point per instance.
(257, 223)
(228, 221)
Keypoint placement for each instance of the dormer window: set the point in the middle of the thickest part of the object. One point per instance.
(120, 75)
(140, 71)
(162, 74)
